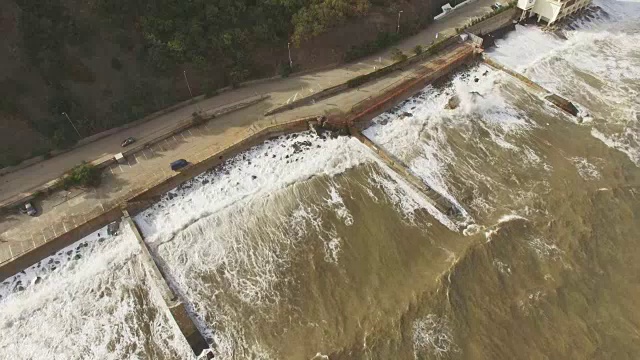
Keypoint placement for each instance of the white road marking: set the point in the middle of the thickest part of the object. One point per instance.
(183, 138)
(120, 167)
(190, 132)
(144, 154)
(54, 231)
(64, 226)
(10, 252)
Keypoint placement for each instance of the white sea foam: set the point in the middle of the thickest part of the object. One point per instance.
(250, 177)
(545, 249)
(502, 267)
(95, 306)
(622, 143)
(424, 142)
(335, 201)
(587, 170)
(597, 66)
(509, 218)
(432, 336)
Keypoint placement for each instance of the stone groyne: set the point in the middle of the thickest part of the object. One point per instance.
(174, 304)
(557, 100)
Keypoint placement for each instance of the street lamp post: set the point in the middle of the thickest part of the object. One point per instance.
(399, 12)
(71, 122)
(189, 87)
(290, 61)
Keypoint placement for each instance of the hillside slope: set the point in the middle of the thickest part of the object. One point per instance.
(109, 62)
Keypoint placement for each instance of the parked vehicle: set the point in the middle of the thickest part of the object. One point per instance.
(496, 6)
(179, 164)
(128, 141)
(29, 209)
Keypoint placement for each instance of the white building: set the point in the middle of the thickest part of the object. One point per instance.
(551, 11)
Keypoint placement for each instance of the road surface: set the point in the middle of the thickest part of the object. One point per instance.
(281, 91)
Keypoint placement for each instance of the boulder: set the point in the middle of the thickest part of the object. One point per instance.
(453, 102)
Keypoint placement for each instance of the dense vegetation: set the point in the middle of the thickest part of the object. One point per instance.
(146, 44)
(83, 175)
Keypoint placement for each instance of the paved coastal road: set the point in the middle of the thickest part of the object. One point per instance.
(281, 91)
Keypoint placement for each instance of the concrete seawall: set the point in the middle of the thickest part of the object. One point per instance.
(145, 198)
(49, 248)
(376, 105)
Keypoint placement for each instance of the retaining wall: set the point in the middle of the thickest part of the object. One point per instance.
(375, 106)
(374, 75)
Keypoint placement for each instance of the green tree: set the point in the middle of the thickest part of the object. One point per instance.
(84, 175)
(397, 55)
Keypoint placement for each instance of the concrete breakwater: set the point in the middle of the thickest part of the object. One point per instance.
(433, 197)
(174, 304)
(557, 100)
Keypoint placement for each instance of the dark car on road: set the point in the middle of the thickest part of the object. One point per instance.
(179, 164)
(128, 141)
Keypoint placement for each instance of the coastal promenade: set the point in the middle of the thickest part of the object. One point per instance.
(63, 211)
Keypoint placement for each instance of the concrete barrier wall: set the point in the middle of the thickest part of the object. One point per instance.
(326, 93)
(49, 248)
(374, 75)
(494, 23)
(377, 105)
